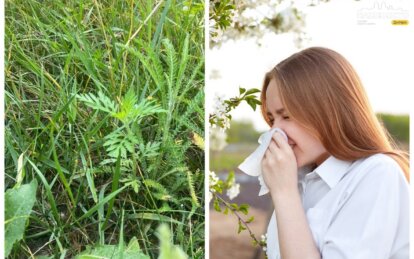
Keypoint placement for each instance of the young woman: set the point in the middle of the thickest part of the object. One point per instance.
(339, 186)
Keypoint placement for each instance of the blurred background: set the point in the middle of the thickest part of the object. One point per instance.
(262, 33)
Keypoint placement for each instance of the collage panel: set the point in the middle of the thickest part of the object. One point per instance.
(104, 129)
(309, 129)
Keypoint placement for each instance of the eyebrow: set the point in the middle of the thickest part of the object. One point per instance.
(279, 111)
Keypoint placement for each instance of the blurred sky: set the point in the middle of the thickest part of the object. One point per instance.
(381, 53)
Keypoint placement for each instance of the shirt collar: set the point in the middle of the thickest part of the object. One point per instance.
(332, 170)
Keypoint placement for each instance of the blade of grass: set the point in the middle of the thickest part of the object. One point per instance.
(155, 39)
(89, 177)
(121, 237)
(59, 169)
(101, 203)
(153, 216)
(115, 183)
(101, 216)
(49, 194)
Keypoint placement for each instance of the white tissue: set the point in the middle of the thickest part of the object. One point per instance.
(252, 164)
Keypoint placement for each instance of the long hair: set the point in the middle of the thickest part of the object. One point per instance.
(322, 91)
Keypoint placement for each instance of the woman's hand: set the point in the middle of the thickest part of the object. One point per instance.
(279, 166)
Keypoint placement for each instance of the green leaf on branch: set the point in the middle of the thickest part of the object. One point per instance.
(241, 227)
(226, 211)
(235, 206)
(230, 179)
(18, 204)
(252, 101)
(242, 90)
(244, 208)
(252, 91)
(250, 220)
(217, 205)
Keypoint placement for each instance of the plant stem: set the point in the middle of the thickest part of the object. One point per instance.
(235, 212)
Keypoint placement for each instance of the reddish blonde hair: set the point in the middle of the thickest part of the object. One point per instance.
(322, 91)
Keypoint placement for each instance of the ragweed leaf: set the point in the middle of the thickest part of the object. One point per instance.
(120, 142)
(100, 102)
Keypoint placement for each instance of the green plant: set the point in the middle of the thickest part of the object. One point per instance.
(397, 125)
(19, 202)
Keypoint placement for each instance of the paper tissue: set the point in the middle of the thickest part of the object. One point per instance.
(252, 164)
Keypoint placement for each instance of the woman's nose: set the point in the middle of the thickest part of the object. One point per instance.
(276, 124)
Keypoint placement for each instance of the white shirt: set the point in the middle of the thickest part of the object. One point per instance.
(355, 210)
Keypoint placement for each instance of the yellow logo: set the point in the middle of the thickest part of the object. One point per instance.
(399, 22)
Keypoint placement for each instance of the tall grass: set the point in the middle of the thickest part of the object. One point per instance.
(103, 100)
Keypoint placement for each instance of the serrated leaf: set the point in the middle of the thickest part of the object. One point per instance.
(18, 204)
(100, 102)
(120, 142)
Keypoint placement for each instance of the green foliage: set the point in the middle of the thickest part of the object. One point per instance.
(18, 203)
(100, 102)
(242, 132)
(397, 125)
(119, 142)
(103, 99)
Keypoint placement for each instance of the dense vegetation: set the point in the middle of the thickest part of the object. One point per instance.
(104, 126)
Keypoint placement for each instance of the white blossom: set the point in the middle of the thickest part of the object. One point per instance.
(213, 179)
(233, 191)
(220, 110)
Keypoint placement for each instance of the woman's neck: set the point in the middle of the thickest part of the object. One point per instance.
(321, 158)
